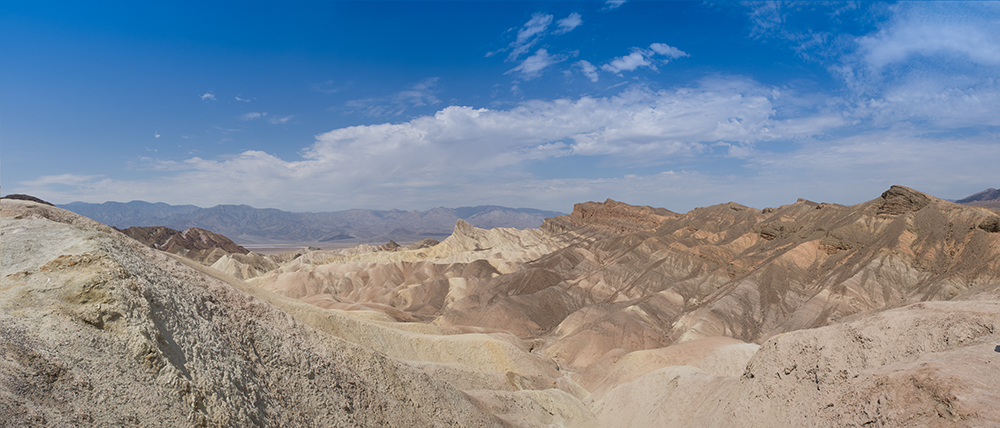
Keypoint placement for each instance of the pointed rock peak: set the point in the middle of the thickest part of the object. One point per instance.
(736, 206)
(900, 200)
(462, 226)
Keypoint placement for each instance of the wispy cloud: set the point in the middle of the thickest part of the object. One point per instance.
(329, 87)
(242, 100)
(613, 4)
(156, 135)
(529, 34)
(421, 94)
(208, 96)
(263, 115)
(568, 23)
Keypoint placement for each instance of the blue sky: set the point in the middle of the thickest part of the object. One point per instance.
(321, 106)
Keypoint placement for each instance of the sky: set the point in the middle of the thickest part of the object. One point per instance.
(329, 105)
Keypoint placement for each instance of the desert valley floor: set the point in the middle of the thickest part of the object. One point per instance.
(884, 313)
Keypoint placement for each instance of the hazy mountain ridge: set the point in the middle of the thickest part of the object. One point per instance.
(246, 224)
(989, 198)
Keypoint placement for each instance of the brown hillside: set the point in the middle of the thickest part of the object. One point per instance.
(197, 244)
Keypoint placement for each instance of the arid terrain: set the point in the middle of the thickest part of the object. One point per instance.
(884, 313)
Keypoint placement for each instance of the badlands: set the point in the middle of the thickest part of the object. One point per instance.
(884, 313)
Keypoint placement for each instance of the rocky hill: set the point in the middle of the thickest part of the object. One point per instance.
(249, 225)
(884, 313)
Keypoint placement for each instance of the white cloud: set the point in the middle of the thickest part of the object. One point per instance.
(156, 135)
(628, 62)
(588, 70)
(643, 58)
(253, 115)
(667, 50)
(568, 23)
(243, 100)
(279, 120)
(533, 65)
(208, 96)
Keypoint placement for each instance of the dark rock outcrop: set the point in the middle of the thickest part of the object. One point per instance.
(22, 197)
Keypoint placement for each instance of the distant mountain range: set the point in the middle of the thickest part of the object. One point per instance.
(989, 198)
(247, 225)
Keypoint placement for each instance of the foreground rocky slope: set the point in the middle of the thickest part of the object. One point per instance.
(883, 313)
(98, 330)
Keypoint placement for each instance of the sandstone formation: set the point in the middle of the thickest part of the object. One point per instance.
(883, 313)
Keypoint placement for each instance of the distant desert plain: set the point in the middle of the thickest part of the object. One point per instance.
(880, 314)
